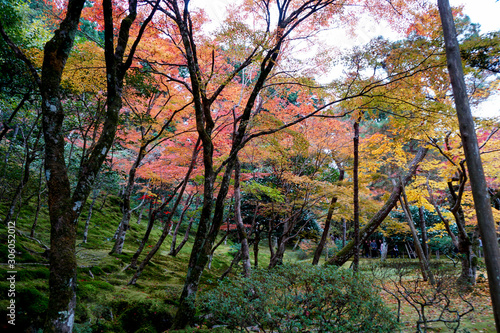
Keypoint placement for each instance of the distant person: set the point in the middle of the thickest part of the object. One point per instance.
(395, 251)
(373, 248)
(366, 249)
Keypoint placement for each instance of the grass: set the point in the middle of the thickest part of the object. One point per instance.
(107, 304)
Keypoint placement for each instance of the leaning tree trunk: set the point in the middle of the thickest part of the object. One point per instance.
(328, 222)
(189, 201)
(175, 251)
(473, 158)
(125, 205)
(424, 263)
(348, 251)
(166, 229)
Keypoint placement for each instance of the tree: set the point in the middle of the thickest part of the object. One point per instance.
(65, 204)
(474, 165)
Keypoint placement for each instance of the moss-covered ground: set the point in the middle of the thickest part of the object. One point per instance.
(107, 304)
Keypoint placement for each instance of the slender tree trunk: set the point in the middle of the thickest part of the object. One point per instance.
(135, 257)
(425, 246)
(355, 173)
(245, 251)
(473, 158)
(164, 234)
(177, 226)
(89, 217)
(125, 205)
(344, 232)
(424, 263)
(37, 213)
(11, 145)
(256, 249)
(6, 160)
(348, 251)
(175, 251)
(30, 155)
(6, 124)
(326, 230)
(139, 218)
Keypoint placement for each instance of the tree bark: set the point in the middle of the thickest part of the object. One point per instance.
(424, 263)
(173, 251)
(89, 217)
(425, 246)
(348, 251)
(245, 251)
(473, 158)
(63, 216)
(355, 176)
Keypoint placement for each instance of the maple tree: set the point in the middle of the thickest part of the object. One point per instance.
(187, 108)
(65, 204)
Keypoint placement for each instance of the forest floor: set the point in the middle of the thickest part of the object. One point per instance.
(107, 304)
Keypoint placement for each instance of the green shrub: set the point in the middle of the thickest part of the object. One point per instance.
(298, 298)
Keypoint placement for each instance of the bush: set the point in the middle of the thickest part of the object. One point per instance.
(298, 298)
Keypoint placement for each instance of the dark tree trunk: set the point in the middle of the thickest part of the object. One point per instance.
(62, 209)
(245, 251)
(473, 158)
(145, 238)
(209, 226)
(424, 263)
(173, 251)
(348, 251)
(166, 228)
(425, 246)
(125, 204)
(328, 221)
(355, 174)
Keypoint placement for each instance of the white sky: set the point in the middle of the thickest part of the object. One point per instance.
(484, 12)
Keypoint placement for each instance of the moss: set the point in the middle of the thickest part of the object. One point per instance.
(27, 274)
(90, 289)
(31, 305)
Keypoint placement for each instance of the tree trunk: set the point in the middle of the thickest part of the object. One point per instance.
(256, 249)
(355, 173)
(424, 263)
(347, 251)
(89, 217)
(245, 251)
(177, 226)
(425, 246)
(326, 230)
(166, 229)
(62, 211)
(135, 257)
(139, 218)
(125, 205)
(473, 158)
(277, 257)
(175, 251)
(344, 232)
